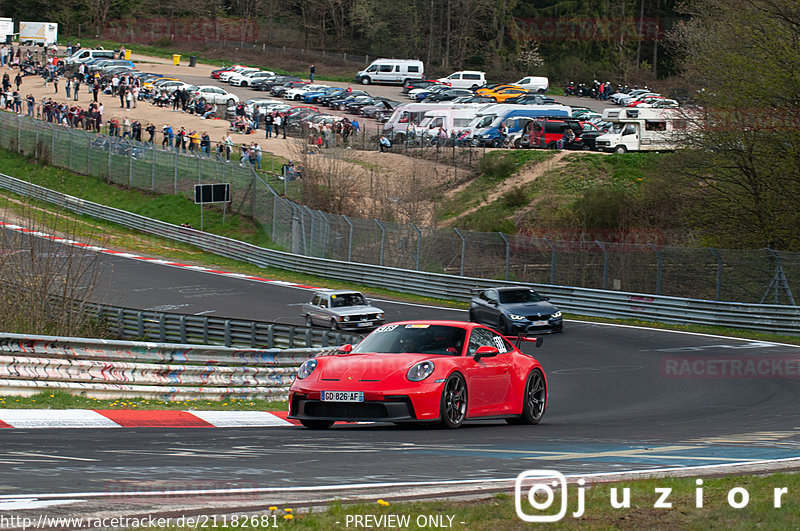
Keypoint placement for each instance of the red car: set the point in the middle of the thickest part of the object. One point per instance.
(417, 371)
(215, 73)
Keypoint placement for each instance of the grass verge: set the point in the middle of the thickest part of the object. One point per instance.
(719, 497)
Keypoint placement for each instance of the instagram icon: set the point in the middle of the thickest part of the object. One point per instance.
(538, 504)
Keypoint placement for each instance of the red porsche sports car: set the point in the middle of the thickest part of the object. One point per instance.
(447, 371)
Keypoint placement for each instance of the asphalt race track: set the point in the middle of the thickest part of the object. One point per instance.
(621, 398)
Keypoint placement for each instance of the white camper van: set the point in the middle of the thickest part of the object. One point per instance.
(6, 30)
(412, 114)
(450, 120)
(41, 33)
(643, 130)
(391, 71)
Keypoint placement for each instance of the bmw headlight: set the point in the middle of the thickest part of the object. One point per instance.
(420, 371)
(306, 369)
(346, 318)
(514, 317)
(556, 315)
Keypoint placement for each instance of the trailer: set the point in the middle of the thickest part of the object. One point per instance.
(6, 30)
(644, 129)
(41, 33)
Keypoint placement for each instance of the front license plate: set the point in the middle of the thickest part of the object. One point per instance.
(365, 323)
(342, 396)
(540, 323)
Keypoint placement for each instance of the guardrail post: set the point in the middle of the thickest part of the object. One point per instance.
(227, 332)
(419, 243)
(552, 261)
(205, 330)
(508, 252)
(120, 323)
(139, 324)
(309, 338)
(270, 336)
(383, 239)
(658, 267)
(350, 240)
(291, 337)
(325, 338)
(162, 328)
(719, 272)
(605, 262)
(182, 328)
(463, 249)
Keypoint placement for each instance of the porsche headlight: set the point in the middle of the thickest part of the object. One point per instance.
(556, 315)
(420, 371)
(516, 317)
(306, 369)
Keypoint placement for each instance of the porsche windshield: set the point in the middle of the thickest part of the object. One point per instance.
(518, 296)
(419, 338)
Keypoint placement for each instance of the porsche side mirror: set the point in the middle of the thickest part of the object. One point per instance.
(485, 352)
(345, 349)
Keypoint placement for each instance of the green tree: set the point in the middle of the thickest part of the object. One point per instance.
(744, 158)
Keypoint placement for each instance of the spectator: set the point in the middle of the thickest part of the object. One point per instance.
(151, 131)
(212, 110)
(29, 99)
(228, 141)
(311, 71)
(18, 80)
(205, 144)
(76, 85)
(384, 144)
(269, 121)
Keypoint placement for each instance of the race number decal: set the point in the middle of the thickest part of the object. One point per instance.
(500, 344)
(387, 328)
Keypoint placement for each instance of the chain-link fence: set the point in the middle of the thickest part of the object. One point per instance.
(751, 276)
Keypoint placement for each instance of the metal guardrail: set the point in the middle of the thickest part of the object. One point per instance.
(193, 329)
(591, 302)
(162, 371)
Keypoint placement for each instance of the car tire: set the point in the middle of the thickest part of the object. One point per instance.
(231, 101)
(540, 91)
(518, 143)
(621, 150)
(453, 407)
(504, 327)
(316, 424)
(309, 321)
(334, 325)
(399, 138)
(365, 80)
(534, 400)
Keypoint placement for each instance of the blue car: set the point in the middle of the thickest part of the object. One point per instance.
(313, 97)
(515, 310)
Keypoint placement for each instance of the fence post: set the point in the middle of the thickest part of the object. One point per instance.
(153, 172)
(19, 135)
(658, 267)
(175, 164)
(605, 262)
(130, 163)
(70, 149)
(350, 240)
(53, 133)
(508, 252)
(419, 243)
(383, 239)
(719, 271)
(109, 158)
(36, 142)
(295, 230)
(552, 261)
(463, 249)
(88, 154)
(274, 215)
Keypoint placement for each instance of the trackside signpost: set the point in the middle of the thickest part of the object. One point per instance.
(211, 193)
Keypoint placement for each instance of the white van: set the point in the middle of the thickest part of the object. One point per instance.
(454, 119)
(468, 79)
(82, 56)
(644, 130)
(391, 71)
(537, 83)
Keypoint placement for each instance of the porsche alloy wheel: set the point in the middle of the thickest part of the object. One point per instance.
(533, 402)
(454, 402)
(316, 424)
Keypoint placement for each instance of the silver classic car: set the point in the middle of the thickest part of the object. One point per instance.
(342, 310)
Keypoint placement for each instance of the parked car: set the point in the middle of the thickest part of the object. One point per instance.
(279, 90)
(225, 76)
(370, 111)
(297, 93)
(419, 83)
(534, 83)
(245, 79)
(531, 99)
(340, 94)
(342, 310)
(447, 95)
(421, 371)
(216, 73)
(500, 95)
(515, 310)
(467, 79)
(313, 96)
(212, 94)
(267, 83)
